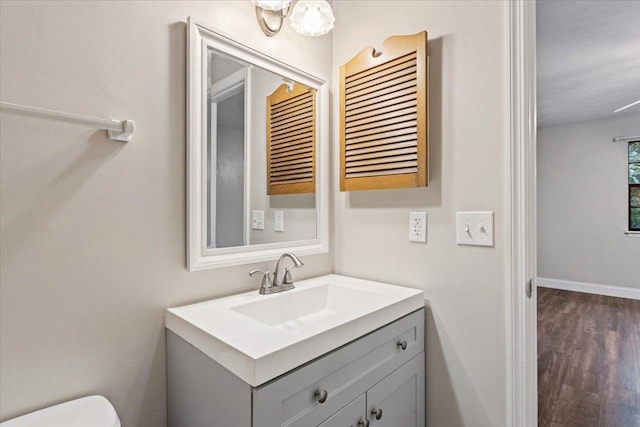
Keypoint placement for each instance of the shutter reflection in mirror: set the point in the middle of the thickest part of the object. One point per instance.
(291, 139)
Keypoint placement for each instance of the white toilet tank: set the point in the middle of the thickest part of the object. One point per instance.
(90, 411)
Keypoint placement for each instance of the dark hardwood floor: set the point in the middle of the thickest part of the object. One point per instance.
(588, 360)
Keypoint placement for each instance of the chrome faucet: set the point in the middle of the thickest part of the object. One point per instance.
(281, 279)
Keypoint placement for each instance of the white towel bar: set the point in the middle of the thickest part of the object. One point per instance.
(117, 130)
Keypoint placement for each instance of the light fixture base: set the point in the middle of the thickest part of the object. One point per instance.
(270, 21)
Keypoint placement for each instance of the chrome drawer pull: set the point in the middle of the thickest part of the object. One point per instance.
(376, 413)
(363, 423)
(402, 344)
(321, 395)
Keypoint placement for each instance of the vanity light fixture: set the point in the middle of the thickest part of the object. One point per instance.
(274, 5)
(308, 17)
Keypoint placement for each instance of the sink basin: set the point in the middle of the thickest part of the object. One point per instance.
(292, 311)
(259, 337)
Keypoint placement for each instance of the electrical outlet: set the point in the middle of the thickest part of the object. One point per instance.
(417, 226)
(279, 221)
(475, 228)
(257, 220)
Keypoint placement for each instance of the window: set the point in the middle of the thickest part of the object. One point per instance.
(634, 186)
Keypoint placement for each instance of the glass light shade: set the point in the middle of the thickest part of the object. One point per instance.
(271, 4)
(312, 17)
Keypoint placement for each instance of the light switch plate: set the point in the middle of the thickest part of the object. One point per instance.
(257, 220)
(418, 227)
(279, 221)
(474, 228)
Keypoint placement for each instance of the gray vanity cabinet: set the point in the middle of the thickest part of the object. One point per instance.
(350, 415)
(396, 401)
(399, 398)
(382, 371)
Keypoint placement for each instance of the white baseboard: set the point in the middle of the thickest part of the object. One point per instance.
(590, 288)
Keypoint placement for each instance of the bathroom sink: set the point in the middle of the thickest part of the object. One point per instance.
(258, 337)
(295, 310)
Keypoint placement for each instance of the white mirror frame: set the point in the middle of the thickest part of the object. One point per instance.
(199, 256)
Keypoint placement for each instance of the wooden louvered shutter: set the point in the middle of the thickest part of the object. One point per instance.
(291, 140)
(384, 118)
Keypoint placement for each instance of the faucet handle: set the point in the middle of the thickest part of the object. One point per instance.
(287, 279)
(267, 280)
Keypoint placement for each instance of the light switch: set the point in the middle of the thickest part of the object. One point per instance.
(257, 220)
(475, 228)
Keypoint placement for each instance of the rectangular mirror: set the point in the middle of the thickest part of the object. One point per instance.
(257, 152)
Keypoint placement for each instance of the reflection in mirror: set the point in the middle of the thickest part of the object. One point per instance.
(257, 155)
(260, 132)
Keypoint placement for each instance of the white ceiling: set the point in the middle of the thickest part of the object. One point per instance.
(588, 59)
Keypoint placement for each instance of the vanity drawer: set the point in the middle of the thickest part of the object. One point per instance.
(343, 374)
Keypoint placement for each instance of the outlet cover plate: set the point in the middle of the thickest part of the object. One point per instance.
(474, 228)
(257, 220)
(279, 221)
(418, 227)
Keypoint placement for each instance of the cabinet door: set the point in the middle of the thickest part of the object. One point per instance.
(398, 400)
(344, 374)
(349, 416)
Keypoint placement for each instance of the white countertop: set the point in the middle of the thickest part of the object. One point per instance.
(259, 337)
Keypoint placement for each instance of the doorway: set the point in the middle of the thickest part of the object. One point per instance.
(227, 169)
(227, 141)
(587, 318)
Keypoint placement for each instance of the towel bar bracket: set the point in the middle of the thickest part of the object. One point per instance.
(128, 126)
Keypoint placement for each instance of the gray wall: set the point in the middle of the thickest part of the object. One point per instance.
(582, 203)
(93, 231)
(464, 286)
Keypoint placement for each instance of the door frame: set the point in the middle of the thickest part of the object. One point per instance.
(522, 317)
